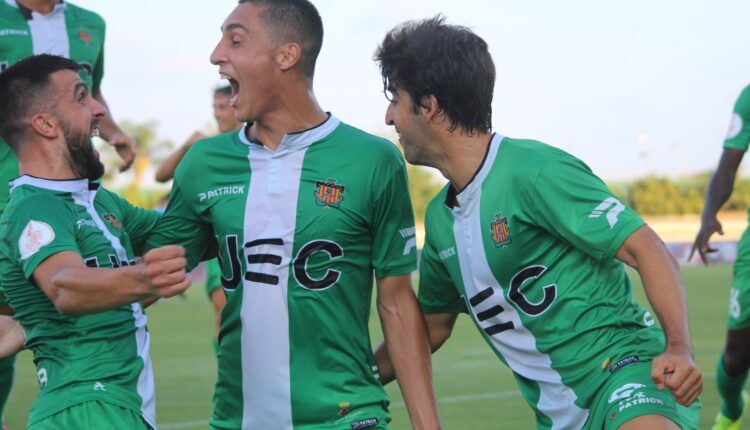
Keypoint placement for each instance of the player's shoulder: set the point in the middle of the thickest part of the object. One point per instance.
(25, 202)
(203, 154)
(86, 16)
(528, 157)
(438, 204)
(370, 147)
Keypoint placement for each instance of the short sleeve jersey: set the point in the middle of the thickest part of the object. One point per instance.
(527, 249)
(68, 31)
(94, 357)
(300, 232)
(738, 136)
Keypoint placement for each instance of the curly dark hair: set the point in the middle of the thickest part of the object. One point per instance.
(450, 62)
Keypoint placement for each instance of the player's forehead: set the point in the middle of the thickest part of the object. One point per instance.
(245, 18)
(67, 81)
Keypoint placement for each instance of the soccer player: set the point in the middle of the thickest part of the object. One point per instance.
(226, 122)
(530, 243)
(732, 367)
(303, 208)
(57, 27)
(68, 257)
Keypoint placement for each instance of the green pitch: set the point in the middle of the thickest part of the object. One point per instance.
(474, 389)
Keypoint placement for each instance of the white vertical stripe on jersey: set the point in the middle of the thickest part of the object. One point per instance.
(146, 389)
(270, 212)
(49, 34)
(518, 345)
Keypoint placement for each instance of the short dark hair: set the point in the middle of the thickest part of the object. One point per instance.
(25, 87)
(295, 21)
(223, 91)
(450, 62)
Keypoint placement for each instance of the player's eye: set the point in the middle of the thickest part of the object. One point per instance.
(389, 95)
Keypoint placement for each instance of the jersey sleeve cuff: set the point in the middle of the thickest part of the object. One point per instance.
(621, 237)
(429, 309)
(402, 269)
(31, 263)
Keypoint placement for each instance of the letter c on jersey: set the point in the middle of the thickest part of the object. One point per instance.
(519, 279)
(334, 251)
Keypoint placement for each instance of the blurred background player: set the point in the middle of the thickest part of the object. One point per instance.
(226, 123)
(68, 251)
(530, 243)
(732, 367)
(59, 28)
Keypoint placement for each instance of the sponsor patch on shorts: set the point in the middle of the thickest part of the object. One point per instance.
(364, 424)
(614, 367)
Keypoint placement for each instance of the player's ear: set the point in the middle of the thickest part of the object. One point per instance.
(288, 55)
(430, 109)
(45, 125)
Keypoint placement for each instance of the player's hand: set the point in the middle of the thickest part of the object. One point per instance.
(676, 370)
(12, 336)
(163, 271)
(125, 147)
(194, 138)
(708, 228)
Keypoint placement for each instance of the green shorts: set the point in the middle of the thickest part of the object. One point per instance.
(738, 315)
(630, 393)
(92, 415)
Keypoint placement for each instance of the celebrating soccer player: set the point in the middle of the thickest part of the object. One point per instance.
(732, 367)
(303, 208)
(530, 243)
(68, 257)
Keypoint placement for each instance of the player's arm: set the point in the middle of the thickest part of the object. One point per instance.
(719, 189)
(75, 288)
(12, 337)
(439, 329)
(165, 172)
(111, 132)
(660, 274)
(406, 340)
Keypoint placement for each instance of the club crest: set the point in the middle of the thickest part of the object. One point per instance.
(500, 231)
(113, 221)
(329, 193)
(85, 36)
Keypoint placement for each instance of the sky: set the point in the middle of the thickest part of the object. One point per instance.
(632, 87)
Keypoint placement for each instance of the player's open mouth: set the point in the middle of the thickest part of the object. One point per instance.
(235, 89)
(95, 131)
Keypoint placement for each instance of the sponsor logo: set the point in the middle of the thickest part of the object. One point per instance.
(98, 386)
(13, 32)
(735, 126)
(41, 376)
(624, 392)
(407, 232)
(500, 231)
(648, 319)
(612, 207)
(410, 233)
(448, 252)
(85, 223)
(734, 303)
(639, 399)
(364, 424)
(614, 367)
(35, 235)
(85, 36)
(343, 408)
(221, 191)
(113, 221)
(329, 193)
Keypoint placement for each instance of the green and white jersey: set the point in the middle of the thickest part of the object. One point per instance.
(738, 136)
(102, 356)
(527, 249)
(300, 232)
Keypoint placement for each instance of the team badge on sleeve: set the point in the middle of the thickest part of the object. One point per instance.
(329, 193)
(500, 231)
(35, 235)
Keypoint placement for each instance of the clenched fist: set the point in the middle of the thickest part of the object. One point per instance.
(163, 271)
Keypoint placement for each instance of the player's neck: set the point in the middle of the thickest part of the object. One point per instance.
(44, 162)
(41, 6)
(293, 114)
(462, 157)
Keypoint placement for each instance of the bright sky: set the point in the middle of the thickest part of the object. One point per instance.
(629, 86)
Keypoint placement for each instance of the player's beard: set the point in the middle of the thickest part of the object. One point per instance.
(81, 155)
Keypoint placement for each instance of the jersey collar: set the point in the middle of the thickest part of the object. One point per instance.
(453, 198)
(28, 13)
(296, 140)
(63, 185)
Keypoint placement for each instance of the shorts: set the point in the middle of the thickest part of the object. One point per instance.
(92, 415)
(629, 393)
(738, 315)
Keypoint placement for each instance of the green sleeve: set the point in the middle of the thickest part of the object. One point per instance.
(394, 236)
(437, 293)
(43, 227)
(182, 225)
(738, 136)
(139, 223)
(98, 72)
(213, 276)
(572, 203)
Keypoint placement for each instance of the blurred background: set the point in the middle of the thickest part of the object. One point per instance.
(642, 91)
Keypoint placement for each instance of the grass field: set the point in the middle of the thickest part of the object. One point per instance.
(475, 391)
